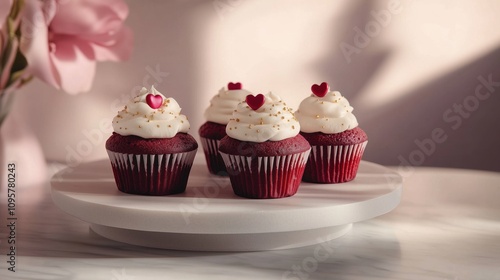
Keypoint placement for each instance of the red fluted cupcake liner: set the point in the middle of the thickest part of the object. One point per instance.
(215, 163)
(333, 164)
(161, 174)
(265, 177)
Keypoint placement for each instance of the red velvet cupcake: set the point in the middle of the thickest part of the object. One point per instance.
(337, 143)
(150, 150)
(264, 153)
(217, 115)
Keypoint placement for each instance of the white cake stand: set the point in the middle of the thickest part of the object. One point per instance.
(209, 217)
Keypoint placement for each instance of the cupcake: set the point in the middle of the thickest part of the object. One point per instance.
(337, 143)
(213, 130)
(264, 153)
(150, 150)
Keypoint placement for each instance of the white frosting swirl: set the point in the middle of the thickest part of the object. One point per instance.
(222, 105)
(329, 114)
(138, 118)
(273, 121)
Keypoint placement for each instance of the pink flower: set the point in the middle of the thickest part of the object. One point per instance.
(4, 11)
(62, 40)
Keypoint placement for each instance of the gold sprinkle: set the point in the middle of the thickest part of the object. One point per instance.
(169, 126)
(282, 117)
(322, 102)
(258, 130)
(237, 120)
(140, 126)
(230, 128)
(182, 121)
(157, 125)
(317, 116)
(293, 126)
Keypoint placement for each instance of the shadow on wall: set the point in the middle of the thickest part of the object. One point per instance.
(451, 121)
(350, 78)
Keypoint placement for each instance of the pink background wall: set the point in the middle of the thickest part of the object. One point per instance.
(411, 70)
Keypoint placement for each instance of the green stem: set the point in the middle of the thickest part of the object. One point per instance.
(6, 99)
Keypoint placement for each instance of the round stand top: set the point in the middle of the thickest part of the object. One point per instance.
(209, 205)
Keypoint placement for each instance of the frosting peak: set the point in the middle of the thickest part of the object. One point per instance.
(223, 104)
(151, 115)
(273, 121)
(328, 114)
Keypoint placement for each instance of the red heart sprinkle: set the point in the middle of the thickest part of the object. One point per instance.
(320, 90)
(255, 102)
(154, 101)
(234, 86)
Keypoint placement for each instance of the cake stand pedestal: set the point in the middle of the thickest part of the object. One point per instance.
(209, 217)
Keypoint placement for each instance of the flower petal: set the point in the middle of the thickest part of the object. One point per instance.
(4, 11)
(76, 69)
(117, 49)
(5, 6)
(34, 41)
(89, 17)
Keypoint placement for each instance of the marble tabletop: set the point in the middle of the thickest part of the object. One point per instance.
(447, 226)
